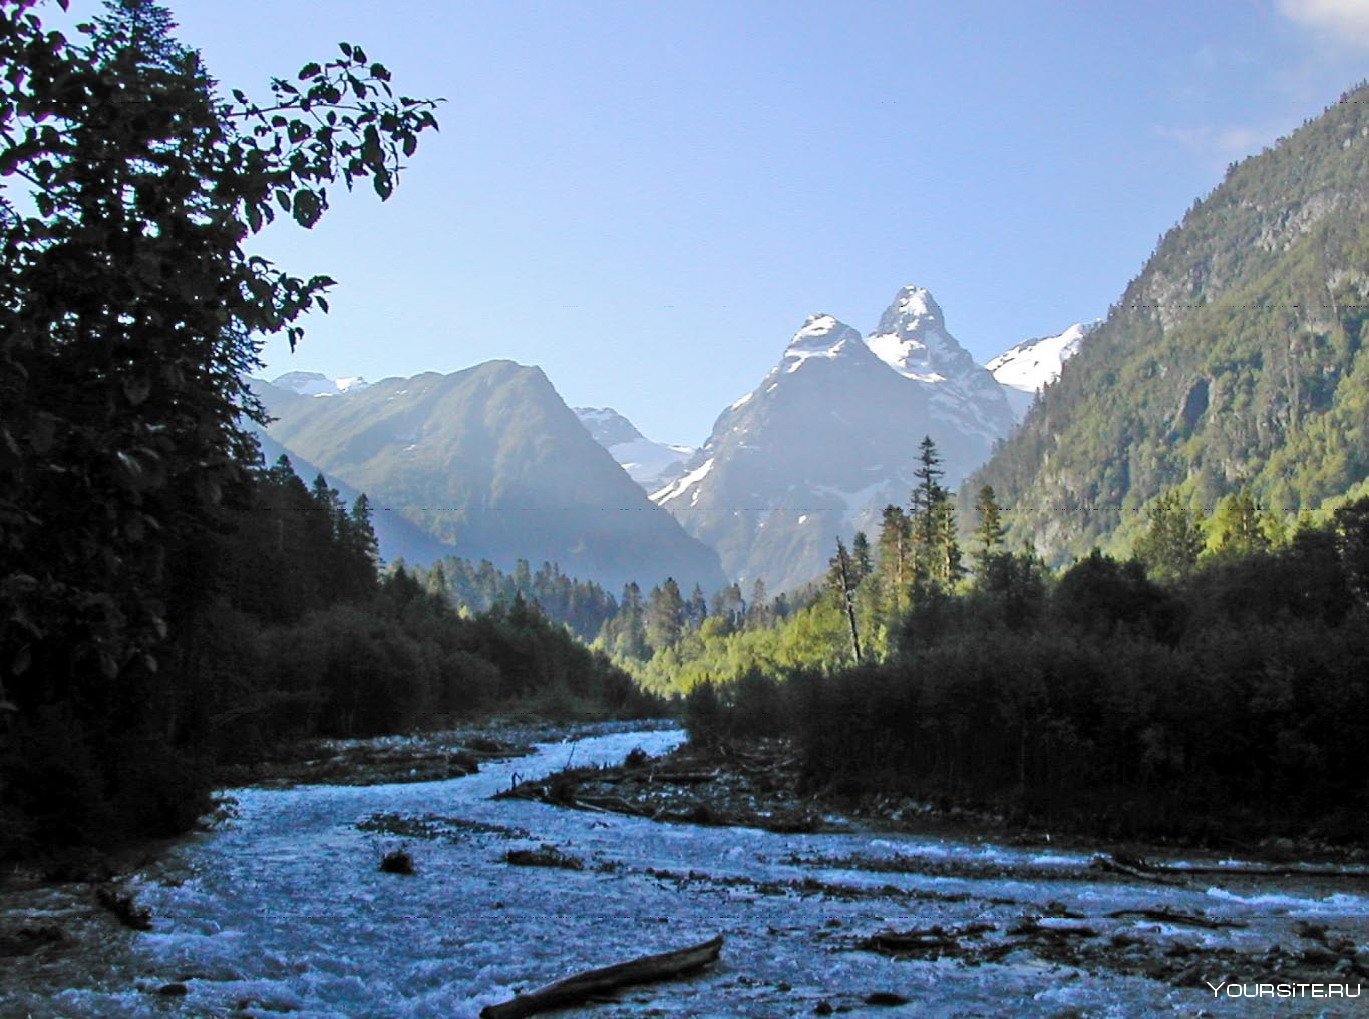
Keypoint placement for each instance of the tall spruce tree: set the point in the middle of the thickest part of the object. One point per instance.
(895, 568)
(664, 615)
(936, 555)
(991, 532)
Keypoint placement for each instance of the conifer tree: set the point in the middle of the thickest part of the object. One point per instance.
(696, 609)
(664, 615)
(936, 556)
(862, 563)
(758, 612)
(895, 572)
(991, 531)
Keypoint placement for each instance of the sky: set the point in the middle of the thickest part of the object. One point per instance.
(647, 199)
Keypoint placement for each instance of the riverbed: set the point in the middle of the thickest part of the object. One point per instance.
(281, 910)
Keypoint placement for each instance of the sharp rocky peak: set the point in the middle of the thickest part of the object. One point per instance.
(914, 311)
(912, 339)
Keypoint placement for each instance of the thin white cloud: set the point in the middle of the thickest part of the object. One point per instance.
(1216, 144)
(1342, 21)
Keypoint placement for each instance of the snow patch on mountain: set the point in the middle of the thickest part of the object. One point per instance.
(317, 384)
(649, 463)
(1033, 364)
(821, 336)
(678, 487)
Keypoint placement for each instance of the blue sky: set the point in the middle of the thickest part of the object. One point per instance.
(647, 198)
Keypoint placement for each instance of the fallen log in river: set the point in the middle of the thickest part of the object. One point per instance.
(582, 986)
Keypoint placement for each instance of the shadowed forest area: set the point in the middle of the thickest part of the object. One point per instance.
(167, 603)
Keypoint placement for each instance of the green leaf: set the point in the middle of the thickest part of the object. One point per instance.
(310, 70)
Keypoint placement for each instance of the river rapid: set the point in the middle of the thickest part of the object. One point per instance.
(282, 911)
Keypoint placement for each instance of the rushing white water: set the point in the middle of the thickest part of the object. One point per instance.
(282, 911)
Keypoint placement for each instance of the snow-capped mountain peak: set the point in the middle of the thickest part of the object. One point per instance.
(1029, 367)
(830, 436)
(914, 308)
(317, 384)
(822, 335)
(911, 338)
(1033, 364)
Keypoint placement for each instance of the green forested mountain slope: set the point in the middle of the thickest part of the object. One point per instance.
(1235, 359)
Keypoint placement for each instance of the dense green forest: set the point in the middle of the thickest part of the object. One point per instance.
(1209, 688)
(166, 602)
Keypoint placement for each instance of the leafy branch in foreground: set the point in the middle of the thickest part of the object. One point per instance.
(130, 316)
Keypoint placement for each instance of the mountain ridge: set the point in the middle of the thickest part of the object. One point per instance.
(492, 462)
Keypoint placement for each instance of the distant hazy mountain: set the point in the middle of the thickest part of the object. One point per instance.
(493, 463)
(830, 436)
(1235, 359)
(1029, 367)
(315, 384)
(650, 464)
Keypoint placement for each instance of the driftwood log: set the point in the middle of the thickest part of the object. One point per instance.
(1166, 915)
(1133, 868)
(582, 986)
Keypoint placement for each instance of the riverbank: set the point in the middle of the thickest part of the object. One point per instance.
(284, 908)
(758, 783)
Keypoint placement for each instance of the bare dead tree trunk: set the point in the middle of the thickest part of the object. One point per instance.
(844, 590)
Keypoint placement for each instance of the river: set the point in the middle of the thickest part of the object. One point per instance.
(282, 911)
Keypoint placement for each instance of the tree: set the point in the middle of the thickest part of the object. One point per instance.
(1173, 539)
(928, 493)
(862, 560)
(936, 555)
(130, 315)
(894, 568)
(696, 609)
(991, 531)
(759, 612)
(843, 580)
(1351, 529)
(1238, 527)
(664, 615)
